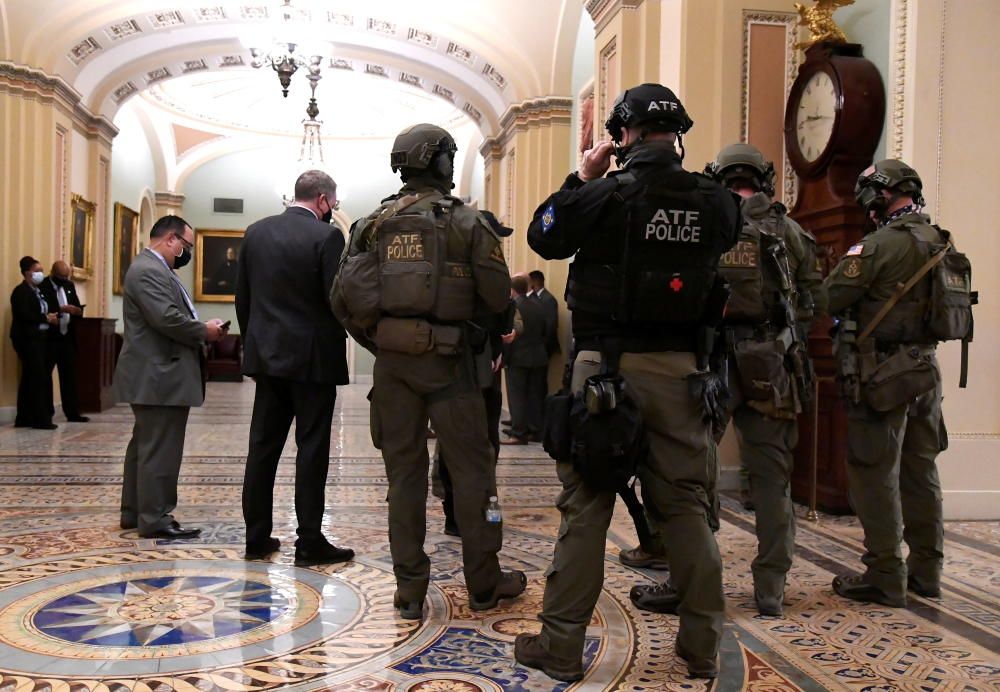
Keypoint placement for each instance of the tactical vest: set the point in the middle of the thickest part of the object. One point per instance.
(417, 277)
(667, 271)
(755, 268)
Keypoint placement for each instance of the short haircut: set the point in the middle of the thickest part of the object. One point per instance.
(27, 262)
(168, 224)
(312, 184)
(519, 284)
(537, 277)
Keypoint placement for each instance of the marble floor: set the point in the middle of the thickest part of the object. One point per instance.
(86, 606)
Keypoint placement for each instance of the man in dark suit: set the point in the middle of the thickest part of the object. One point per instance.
(536, 280)
(527, 368)
(159, 374)
(60, 292)
(31, 319)
(296, 351)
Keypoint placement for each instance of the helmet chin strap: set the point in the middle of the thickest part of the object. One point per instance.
(680, 144)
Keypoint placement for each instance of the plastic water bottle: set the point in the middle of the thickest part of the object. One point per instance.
(493, 515)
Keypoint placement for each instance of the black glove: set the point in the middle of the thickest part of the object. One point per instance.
(712, 396)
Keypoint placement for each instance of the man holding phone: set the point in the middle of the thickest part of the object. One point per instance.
(159, 374)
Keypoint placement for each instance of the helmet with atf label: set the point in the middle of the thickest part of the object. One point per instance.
(652, 105)
(416, 146)
(889, 174)
(742, 162)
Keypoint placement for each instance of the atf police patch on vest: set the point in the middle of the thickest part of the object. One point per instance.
(743, 255)
(404, 247)
(674, 226)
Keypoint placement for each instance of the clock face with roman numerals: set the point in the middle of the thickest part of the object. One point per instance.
(815, 116)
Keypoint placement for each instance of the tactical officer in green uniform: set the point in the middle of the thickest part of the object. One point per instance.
(895, 429)
(647, 241)
(417, 270)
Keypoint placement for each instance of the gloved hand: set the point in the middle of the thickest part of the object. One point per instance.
(712, 396)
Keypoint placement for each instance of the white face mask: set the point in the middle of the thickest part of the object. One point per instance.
(37, 278)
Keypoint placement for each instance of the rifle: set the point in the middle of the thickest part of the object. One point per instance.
(788, 336)
(845, 345)
(638, 514)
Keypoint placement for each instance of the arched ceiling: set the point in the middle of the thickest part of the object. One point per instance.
(476, 56)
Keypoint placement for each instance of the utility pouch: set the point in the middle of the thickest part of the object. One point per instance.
(404, 336)
(408, 252)
(359, 284)
(447, 340)
(557, 438)
(899, 379)
(608, 437)
(763, 376)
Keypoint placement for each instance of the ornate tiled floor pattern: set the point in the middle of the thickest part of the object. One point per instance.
(86, 606)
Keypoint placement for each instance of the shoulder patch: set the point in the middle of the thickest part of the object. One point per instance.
(855, 250)
(852, 268)
(548, 218)
(497, 254)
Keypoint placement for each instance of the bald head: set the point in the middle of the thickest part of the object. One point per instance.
(60, 270)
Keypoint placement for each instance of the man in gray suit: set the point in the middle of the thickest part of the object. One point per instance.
(159, 374)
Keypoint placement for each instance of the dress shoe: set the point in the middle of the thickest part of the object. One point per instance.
(510, 585)
(637, 557)
(408, 610)
(922, 590)
(128, 524)
(78, 419)
(656, 598)
(259, 552)
(529, 651)
(746, 500)
(321, 554)
(175, 531)
(706, 668)
(45, 426)
(768, 605)
(857, 589)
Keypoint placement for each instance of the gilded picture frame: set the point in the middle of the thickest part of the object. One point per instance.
(215, 264)
(81, 238)
(126, 236)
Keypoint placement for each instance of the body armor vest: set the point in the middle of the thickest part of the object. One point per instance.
(753, 267)
(668, 266)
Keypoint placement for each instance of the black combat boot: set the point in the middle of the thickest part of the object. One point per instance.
(529, 651)
(857, 589)
(656, 598)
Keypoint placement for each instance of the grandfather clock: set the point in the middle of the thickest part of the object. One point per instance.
(833, 121)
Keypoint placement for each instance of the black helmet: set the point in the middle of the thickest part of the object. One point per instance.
(653, 105)
(416, 146)
(742, 162)
(888, 174)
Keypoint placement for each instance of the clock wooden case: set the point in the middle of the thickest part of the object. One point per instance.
(833, 122)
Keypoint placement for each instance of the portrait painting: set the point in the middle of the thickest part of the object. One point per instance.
(216, 265)
(82, 237)
(125, 237)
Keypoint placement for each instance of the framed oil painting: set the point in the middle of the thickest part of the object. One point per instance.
(126, 236)
(215, 265)
(82, 237)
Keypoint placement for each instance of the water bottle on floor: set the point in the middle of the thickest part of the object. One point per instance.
(493, 515)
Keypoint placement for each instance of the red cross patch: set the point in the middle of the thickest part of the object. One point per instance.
(676, 284)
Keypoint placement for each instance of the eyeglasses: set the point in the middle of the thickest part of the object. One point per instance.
(186, 244)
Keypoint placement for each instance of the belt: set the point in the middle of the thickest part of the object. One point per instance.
(682, 343)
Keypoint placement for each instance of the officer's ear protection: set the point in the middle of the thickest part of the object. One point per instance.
(601, 393)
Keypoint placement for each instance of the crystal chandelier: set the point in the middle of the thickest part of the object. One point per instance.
(282, 56)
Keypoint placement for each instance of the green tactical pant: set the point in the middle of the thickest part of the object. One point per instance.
(895, 491)
(766, 444)
(407, 390)
(675, 481)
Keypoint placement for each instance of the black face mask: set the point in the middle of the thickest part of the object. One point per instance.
(327, 217)
(182, 259)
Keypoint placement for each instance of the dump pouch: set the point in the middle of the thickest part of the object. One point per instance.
(608, 443)
(762, 372)
(404, 335)
(557, 438)
(359, 284)
(447, 340)
(900, 378)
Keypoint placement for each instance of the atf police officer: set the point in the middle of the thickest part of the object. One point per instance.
(894, 433)
(647, 242)
(417, 270)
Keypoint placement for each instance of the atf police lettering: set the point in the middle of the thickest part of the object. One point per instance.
(662, 106)
(675, 225)
(743, 255)
(405, 247)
